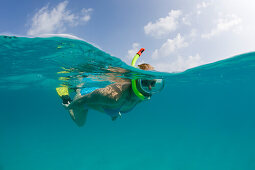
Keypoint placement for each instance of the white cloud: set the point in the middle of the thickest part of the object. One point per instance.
(225, 23)
(193, 33)
(203, 5)
(170, 46)
(163, 26)
(133, 51)
(56, 20)
(187, 19)
(179, 64)
(86, 14)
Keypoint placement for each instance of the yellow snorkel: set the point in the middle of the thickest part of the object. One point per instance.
(133, 81)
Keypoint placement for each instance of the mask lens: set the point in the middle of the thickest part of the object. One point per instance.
(152, 86)
(153, 83)
(149, 83)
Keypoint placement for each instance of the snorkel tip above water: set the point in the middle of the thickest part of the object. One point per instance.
(140, 51)
(138, 54)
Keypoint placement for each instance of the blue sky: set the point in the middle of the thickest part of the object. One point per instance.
(177, 34)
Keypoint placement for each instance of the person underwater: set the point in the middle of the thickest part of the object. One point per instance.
(114, 99)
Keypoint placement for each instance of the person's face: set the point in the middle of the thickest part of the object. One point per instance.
(149, 83)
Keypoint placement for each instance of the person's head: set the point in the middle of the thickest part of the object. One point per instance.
(145, 66)
(147, 87)
(148, 83)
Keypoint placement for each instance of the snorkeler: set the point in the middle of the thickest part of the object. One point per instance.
(114, 99)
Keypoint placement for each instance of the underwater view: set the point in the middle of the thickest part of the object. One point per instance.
(202, 118)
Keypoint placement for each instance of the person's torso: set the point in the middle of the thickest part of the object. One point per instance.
(125, 103)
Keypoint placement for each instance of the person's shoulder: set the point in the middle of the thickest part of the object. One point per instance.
(123, 86)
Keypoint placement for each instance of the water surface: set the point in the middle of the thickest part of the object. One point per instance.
(203, 119)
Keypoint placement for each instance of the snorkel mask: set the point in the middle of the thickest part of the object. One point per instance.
(144, 88)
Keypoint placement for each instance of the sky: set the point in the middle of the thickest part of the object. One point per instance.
(176, 34)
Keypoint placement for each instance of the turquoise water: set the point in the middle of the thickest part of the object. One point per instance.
(203, 119)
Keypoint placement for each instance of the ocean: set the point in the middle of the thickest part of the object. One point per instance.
(204, 118)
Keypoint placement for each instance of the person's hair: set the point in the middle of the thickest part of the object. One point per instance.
(145, 66)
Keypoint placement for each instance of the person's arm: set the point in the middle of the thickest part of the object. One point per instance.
(104, 96)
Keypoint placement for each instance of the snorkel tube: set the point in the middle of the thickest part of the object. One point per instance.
(133, 81)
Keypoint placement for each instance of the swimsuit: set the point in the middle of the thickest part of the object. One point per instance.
(111, 112)
(88, 90)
